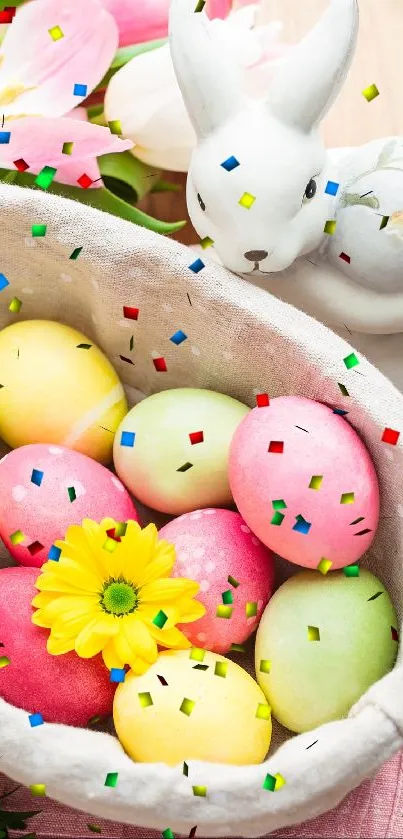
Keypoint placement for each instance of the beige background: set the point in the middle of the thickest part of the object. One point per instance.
(378, 60)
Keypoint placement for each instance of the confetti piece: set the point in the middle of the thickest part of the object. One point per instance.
(160, 619)
(347, 498)
(277, 519)
(230, 163)
(197, 266)
(67, 147)
(185, 770)
(200, 5)
(197, 654)
(35, 548)
(95, 828)
(76, 253)
(375, 596)
(54, 553)
(201, 792)
(21, 164)
(84, 181)
(162, 680)
(56, 33)
(83, 346)
(45, 177)
(302, 526)
(80, 90)
(313, 633)
(160, 365)
(343, 389)
(36, 477)
(186, 466)
(247, 200)
(363, 532)
(15, 305)
(3, 282)
(131, 313)
(168, 833)
(127, 360)
(200, 667)
(324, 565)
(394, 633)
(17, 537)
(72, 494)
(312, 744)
(192, 833)
(187, 706)
(178, 337)
(262, 400)
(384, 222)
(237, 648)
(111, 779)
(39, 229)
(5, 137)
(227, 597)
(4, 661)
(269, 782)
(251, 610)
(351, 361)
(276, 447)
(35, 719)
(370, 92)
(263, 711)
(196, 437)
(145, 699)
(331, 188)
(265, 665)
(120, 529)
(38, 789)
(316, 482)
(345, 257)
(390, 436)
(278, 504)
(118, 674)
(357, 521)
(280, 781)
(115, 126)
(330, 227)
(127, 438)
(221, 668)
(351, 571)
(224, 611)
(7, 14)
(206, 242)
(131, 345)
(233, 582)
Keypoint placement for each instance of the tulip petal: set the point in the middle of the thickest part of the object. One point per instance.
(48, 69)
(140, 21)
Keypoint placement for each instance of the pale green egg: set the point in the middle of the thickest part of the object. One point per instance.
(322, 641)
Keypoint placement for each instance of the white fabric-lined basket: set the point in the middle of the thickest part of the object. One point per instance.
(241, 341)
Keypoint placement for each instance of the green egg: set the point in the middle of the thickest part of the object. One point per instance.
(321, 642)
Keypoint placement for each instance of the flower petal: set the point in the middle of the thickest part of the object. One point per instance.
(140, 21)
(190, 610)
(139, 638)
(110, 656)
(88, 643)
(67, 605)
(77, 575)
(172, 638)
(49, 69)
(168, 589)
(52, 582)
(59, 646)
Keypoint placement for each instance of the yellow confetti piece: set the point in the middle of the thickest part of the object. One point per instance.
(324, 565)
(370, 92)
(206, 242)
(313, 633)
(187, 706)
(197, 654)
(38, 789)
(15, 305)
(110, 545)
(67, 148)
(56, 33)
(316, 482)
(200, 791)
(263, 711)
(224, 611)
(330, 227)
(221, 668)
(251, 610)
(247, 200)
(265, 665)
(17, 537)
(347, 498)
(145, 699)
(4, 661)
(280, 781)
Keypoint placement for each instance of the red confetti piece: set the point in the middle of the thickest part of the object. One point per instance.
(35, 548)
(196, 437)
(262, 400)
(131, 312)
(394, 633)
(21, 165)
(84, 181)
(192, 833)
(128, 360)
(390, 436)
(163, 681)
(160, 365)
(345, 256)
(6, 16)
(112, 535)
(276, 447)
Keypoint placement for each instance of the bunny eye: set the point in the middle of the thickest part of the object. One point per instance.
(201, 202)
(310, 191)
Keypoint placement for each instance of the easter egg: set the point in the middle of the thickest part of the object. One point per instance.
(44, 489)
(305, 483)
(63, 688)
(321, 643)
(209, 709)
(58, 387)
(171, 450)
(235, 571)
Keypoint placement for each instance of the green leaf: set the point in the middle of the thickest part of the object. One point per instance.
(125, 54)
(351, 199)
(126, 176)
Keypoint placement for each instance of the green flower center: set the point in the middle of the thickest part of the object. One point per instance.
(119, 597)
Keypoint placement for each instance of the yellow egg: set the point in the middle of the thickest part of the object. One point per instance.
(210, 709)
(54, 391)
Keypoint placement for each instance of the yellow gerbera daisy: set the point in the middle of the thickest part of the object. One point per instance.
(111, 592)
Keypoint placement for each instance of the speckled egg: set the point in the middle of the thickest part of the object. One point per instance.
(44, 489)
(58, 387)
(305, 483)
(321, 643)
(209, 709)
(64, 688)
(235, 572)
(171, 450)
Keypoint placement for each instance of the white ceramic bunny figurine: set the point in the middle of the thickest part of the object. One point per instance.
(260, 182)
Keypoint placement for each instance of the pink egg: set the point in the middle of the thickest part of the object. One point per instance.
(63, 688)
(44, 489)
(212, 545)
(305, 483)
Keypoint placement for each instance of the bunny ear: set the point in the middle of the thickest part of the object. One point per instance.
(309, 79)
(207, 75)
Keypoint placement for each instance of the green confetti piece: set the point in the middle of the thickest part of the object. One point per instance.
(185, 770)
(224, 611)
(17, 537)
(279, 504)
(76, 253)
(45, 177)
(110, 545)
(237, 648)
(370, 92)
(277, 518)
(347, 498)
(72, 494)
(221, 668)
(384, 222)
(251, 610)
(200, 667)
(4, 661)
(206, 242)
(233, 582)
(324, 565)
(160, 619)
(38, 789)
(131, 345)
(120, 529)
(375, 596)
(247, 200)
(94, 828)
(201, 792)
(316, 482)
(187, 706)
(168, 833)
(84, 346)
(111, 779)
(351, 571)
(115, 126)
(67, 148)
(313, 633)
(330, 227)
(15, 305)
(200, 5)
(343, 389)
(269, 782)
(39, 229)
(186, 466)
(265, 665)
(197, 654)
(56, 33)
(227, 597)
(145, 699)
(263, 711)
(351, 361)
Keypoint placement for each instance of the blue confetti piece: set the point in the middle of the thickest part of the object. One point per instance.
(5, 136)
(36, 477)
(127, 439)
(332, 188)
(80, 90)
(35, 719)
(54, 553)
(230, 164)
(302, 526)
(178, 338)
(197, 266)
(340, 412)
(3, 282)
(118, 674)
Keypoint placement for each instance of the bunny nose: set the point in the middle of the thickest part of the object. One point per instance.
(255, 256)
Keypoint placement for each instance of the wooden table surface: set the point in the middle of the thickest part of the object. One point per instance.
(352, 120)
